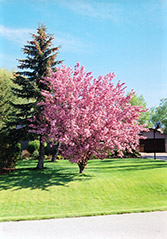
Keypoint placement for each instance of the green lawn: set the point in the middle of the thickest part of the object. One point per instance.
(107, 187)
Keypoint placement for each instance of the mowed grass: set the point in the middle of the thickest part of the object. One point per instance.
(106, 187)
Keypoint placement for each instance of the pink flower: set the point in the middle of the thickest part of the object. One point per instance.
(88, 116)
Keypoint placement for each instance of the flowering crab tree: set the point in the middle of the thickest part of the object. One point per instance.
(87, 116)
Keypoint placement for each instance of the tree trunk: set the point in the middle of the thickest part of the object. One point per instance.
(81, 165)
(54, 157)
(55, 152)
(41, 155)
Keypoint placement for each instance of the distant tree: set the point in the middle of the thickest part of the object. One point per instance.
(5, 96)
(9, 147)
(144, 116)
(40, 58)
(89, 117)
(159, 113)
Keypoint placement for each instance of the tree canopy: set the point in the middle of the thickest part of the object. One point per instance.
(5, 96)
(144, 116)
(159, 113)
(87, 116)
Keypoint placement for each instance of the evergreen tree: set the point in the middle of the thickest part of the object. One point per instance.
(40, 58)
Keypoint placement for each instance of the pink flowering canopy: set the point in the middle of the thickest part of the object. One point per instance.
(88, 116)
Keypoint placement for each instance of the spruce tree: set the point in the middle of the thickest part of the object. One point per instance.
(40, 58)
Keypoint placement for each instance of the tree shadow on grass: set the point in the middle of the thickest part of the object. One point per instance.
(39, 179)
(60, 175)
(129, 164)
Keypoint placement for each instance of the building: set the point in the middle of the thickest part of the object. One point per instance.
(151, 144)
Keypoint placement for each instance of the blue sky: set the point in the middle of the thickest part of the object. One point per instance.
(128, 37)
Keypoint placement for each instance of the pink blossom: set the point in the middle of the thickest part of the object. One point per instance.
(88, 116)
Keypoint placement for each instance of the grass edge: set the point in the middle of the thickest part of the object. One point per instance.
(85, 214)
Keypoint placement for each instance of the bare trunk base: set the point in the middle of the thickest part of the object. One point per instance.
(40, 164)
(54, 157)
(81, 166)
(55, 152)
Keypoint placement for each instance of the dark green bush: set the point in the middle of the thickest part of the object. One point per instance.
(133, 154)
(126, 154)
(33, 146)
(35, 154)
(9, 154)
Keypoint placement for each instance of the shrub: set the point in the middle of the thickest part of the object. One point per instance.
(126, 154)
(35, 154)
(25, 154)
(9, 154)
(133, 154)
(33, 146)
